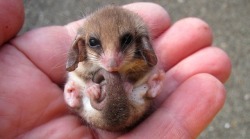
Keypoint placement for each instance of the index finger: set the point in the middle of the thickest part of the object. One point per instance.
(155, 16)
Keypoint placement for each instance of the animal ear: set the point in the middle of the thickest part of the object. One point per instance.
(147, 52)
(77, 53)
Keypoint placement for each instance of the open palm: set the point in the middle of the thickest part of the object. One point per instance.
(32, 75)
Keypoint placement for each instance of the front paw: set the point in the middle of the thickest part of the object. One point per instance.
(72, 94)
(94, 91)
(155, 83)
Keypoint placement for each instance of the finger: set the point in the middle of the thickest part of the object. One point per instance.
(157, 21)
(47, 47)
(181, 40)
(211, 60)
(186, 112)
(11, 19)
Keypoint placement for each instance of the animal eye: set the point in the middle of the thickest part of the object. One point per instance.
(126, 39)
(94, 42)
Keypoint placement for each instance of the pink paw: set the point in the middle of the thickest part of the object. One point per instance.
(155, 83)
(72, 94)
(94, 90)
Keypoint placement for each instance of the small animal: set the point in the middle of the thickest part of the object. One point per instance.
(112, 72)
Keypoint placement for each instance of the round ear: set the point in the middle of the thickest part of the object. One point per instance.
(147, 52)
(76, 54)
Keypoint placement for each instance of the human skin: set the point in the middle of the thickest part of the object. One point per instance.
(32, 69)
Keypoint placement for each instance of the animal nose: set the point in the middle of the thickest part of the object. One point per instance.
(113, 65)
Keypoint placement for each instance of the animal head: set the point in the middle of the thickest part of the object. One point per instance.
(112, 38)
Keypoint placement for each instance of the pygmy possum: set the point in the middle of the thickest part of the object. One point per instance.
(112, 70)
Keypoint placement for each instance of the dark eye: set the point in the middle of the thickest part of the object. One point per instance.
(94, 42)
(126, 39)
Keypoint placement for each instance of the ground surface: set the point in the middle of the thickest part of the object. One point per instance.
(231, 24)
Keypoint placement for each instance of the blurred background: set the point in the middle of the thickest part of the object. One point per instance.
(230, 22)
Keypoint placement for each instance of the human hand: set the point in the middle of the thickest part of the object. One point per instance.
(32, 69)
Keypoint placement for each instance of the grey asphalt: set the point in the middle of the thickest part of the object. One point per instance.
(230, 22)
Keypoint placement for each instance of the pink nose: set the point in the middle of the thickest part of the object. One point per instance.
(112, 65)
